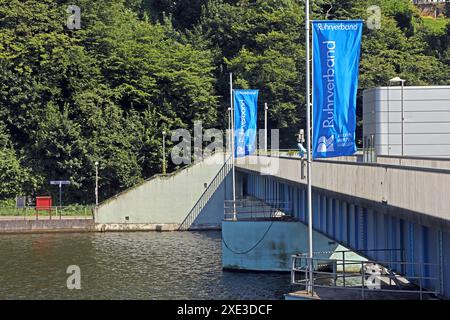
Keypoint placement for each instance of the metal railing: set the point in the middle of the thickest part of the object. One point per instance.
(278, 152)
(366, 276)
(253, 209)
(49, 213)
(206, 196)
(294, 153)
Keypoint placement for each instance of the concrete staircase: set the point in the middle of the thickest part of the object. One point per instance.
(191, 198)
(196, 218)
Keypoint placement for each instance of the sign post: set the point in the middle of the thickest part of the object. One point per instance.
(60, 184)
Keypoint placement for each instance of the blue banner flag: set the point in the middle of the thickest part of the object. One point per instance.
(336, 53)
(245, 117)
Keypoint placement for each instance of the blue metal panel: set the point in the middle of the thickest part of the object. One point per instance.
(411, 255)
(446, 263)
(328, 217)
(400, 255)
(270, 196)
(346, 233)
(260, 187)
(304, 205)
(316, 210)
(387, 233)
(277, 191)
(323, 214)
(425, 251)
(319, 208)
(434, 255)
(395, 240)
(294, 202)
(364, 235)
(266, 188)
(352, 231)
(340, 220)
(371, 230)
(357, 226)
(333, 218)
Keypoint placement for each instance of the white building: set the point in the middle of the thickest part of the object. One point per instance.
(414, 121)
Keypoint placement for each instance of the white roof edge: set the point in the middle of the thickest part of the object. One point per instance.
(408, 88)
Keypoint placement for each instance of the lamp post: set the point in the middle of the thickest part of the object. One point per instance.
(96, 183)
(164, 153)
(266, 110)
(229, 129)
(402, 81)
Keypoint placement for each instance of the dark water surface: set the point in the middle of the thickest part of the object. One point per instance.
(148, 265)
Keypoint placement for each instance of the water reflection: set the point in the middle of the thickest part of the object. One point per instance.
(179, 265)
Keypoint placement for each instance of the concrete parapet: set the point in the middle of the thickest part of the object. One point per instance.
(36, 226)
(126, 227)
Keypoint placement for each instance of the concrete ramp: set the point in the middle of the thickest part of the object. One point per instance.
(163, 203)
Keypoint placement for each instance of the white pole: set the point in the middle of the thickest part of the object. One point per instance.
(403, 117)
(232, 146)
(308, 130)
(388, 117)
(229, 131)
(96, 184)
(164, 153)
(266, 109)
(60, 185)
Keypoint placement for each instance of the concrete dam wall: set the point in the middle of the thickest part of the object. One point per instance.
(162, 203)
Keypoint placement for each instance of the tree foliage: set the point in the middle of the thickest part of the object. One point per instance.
(69, 98)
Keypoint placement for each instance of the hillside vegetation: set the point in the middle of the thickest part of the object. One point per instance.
(105, 92)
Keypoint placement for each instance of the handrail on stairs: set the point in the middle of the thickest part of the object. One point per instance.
(206, 195)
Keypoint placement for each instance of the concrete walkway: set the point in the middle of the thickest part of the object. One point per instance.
(356, 294)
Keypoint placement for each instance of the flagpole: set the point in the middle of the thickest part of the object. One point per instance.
(232, 146)
(308, 130)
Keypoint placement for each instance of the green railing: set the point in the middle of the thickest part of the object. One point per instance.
(56, 212)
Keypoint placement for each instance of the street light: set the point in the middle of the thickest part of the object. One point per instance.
(402, 81)
(266, 110)
(96, 183)
(229, 129)
(164, 153)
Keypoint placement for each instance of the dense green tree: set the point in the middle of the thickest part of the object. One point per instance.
(102, 93)
(261, 41)
(13, 177)
(69, 98)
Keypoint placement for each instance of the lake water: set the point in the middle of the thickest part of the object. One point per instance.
(147, 265)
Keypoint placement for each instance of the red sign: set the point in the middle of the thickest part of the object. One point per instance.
(43, 203)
